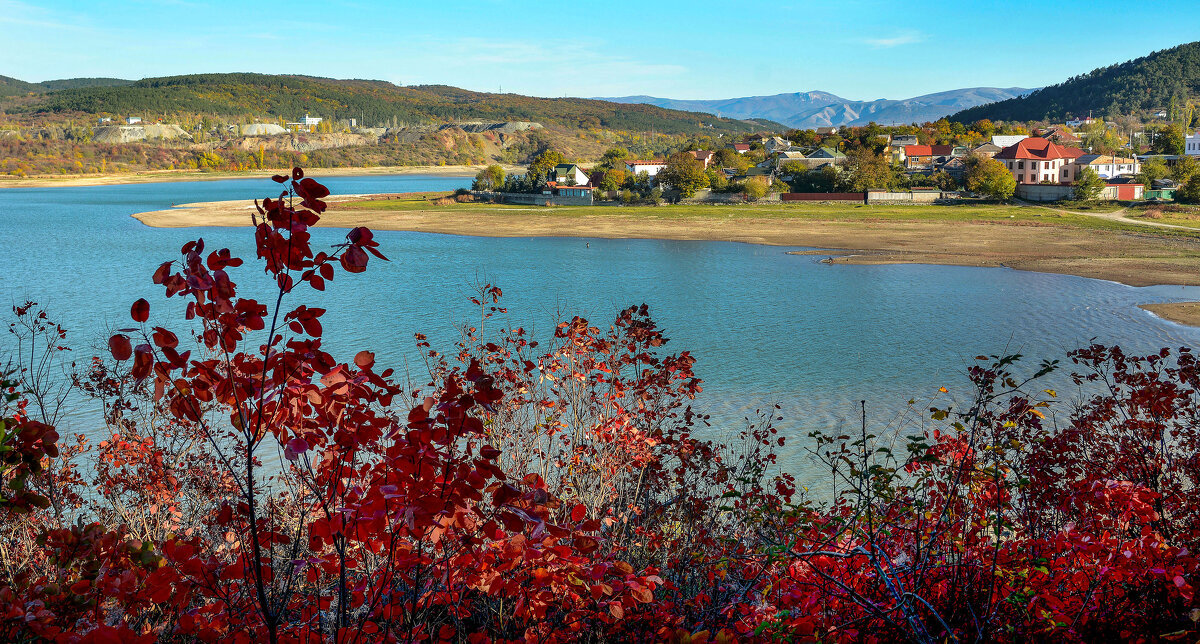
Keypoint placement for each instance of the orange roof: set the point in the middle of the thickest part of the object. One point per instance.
(927, 150)
(1038, 148)
(741, 146)
(652, 162)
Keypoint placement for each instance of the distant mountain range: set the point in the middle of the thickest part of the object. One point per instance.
(1151, 82)
(822, 109)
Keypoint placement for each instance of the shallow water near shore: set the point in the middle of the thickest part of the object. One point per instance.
(765, 326)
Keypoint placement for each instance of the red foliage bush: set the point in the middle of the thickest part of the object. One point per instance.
(255, 489)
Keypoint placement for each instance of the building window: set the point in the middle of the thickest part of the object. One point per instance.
(1020, 165)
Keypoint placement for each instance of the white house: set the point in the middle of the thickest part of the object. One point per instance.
(649, 167)
(308, 123)
(133, 120)
(1108, 166)
(568, 174)
(1078, 123)
(1192, 145)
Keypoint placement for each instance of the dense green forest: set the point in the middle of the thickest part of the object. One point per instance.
(14, 87)
(1147, 83)
(374, 103)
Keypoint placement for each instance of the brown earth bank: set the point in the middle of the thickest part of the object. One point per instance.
(1179, 312)
(1134, 257)
(154, 176)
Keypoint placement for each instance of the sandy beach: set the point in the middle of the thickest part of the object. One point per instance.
(1133, 257)
(155, 176)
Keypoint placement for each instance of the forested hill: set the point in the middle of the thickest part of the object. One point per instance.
(13, 87)
(371, 102)
(1147, 83)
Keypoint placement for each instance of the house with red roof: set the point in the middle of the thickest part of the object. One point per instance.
(705, 157)
(1038, 160)
(923, 156)
(741, 148)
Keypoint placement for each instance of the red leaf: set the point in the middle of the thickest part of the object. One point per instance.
(578, 513)
(297, 174)
(279, 178)
(354, 260)
(143, 361)
(160, 275)
(313, 190)
(140, 311)
(120, 347)
(165, 338)
(364, 359)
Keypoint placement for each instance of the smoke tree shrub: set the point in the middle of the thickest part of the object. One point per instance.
(252, 488)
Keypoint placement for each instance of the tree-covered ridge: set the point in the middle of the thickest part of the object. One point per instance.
(1146, 83)
(372, 102)
(13, 87)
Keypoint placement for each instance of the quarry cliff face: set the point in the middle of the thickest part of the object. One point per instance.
(132, 133)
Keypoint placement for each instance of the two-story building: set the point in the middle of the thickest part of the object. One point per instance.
(920, 157)
(651, 168)
(567, 174)
(705, 157)
(1038, 160)
(1109, 166)
(1191, 145)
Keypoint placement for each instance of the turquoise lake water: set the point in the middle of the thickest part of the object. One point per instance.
(766, 327)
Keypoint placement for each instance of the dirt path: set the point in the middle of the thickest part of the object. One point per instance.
(1116, 215)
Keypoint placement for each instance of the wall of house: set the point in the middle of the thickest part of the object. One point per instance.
(1191, 145)
(1054, 170)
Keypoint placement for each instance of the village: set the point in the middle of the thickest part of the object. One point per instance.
(1083, 159)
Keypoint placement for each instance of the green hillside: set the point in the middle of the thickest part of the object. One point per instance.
(13, 87)
(372, 102)
(72, 83)
(1147, 83)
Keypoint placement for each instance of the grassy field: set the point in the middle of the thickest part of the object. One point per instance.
(1175, 215)
(967, 212)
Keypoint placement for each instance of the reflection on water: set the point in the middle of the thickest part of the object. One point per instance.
(766, 327)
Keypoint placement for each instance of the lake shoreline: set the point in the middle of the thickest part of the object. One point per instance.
(163, 176)
(1044, 249)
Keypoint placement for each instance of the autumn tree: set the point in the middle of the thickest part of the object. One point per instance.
(1189, 192)
(868, 171)
(541, 165)
(1152, 170)
(684, 173)
(489, 178)
(1184, 169)
(1088, 185)
(1169, 140)
(990, 178)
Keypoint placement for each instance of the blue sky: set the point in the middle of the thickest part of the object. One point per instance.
(858, 49)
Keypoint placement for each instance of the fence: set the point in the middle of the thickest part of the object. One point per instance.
(916, 196)
(534, 199)
(860, 197)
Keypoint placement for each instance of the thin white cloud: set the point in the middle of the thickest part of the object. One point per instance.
(563, 66)
(905, 38)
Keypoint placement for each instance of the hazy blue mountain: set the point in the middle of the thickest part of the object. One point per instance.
(820, 109)
(779, 107)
